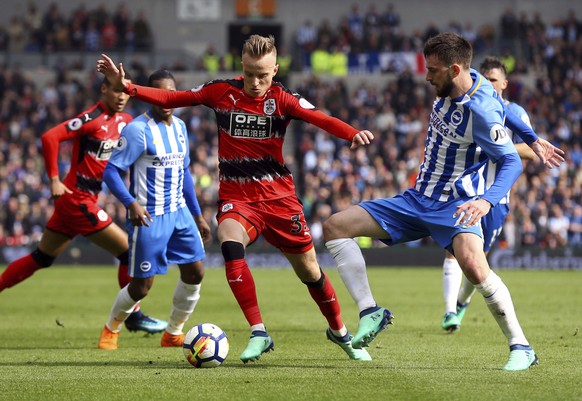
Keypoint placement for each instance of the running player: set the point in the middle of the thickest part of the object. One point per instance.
(94, 133)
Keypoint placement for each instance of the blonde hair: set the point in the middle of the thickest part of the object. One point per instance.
(258, 46)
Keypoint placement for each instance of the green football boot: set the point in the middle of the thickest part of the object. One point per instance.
(372, 321)
(451, 322)
(461, 309)
(345, 343)
(259, 343)
(521, 357)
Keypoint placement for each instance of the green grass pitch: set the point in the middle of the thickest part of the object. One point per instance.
(49, 326)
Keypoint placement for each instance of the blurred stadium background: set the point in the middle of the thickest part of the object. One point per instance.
(360, 61)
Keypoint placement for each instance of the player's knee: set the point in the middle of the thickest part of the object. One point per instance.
(42, 258)
(123, 258)
(316, 284)
(330, 229)
(192, 274)
(139, 288)
(232, 250)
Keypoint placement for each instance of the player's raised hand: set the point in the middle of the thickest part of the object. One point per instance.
(362, 138)
(114, 74)
(549, 154)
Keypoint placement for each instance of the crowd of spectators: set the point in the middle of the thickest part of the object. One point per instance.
(83, 29)
(520, 40)
(546, 204)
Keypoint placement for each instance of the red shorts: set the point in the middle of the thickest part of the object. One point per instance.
(280, 221)
(73, 217)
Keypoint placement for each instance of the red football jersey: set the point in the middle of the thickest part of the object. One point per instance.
(95, 133)
(251, 133)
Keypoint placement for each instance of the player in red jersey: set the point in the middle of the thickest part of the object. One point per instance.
(257, 192)
(94, 133)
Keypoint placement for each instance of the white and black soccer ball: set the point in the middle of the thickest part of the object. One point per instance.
(206, 346)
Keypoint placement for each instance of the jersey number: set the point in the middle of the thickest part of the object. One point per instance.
(297, 224)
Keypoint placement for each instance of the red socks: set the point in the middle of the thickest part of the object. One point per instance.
(123, 275)
(243, 287)
(18, 271)
(325, 298)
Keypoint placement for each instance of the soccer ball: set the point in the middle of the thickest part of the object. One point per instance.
(206, 346)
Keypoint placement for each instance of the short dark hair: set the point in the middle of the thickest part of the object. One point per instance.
(491, 63)
(450, 49)
(159, 75)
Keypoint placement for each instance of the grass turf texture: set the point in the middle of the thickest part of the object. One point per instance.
(50, 325)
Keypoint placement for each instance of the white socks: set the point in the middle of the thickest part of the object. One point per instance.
(185, 298)
(466, 291)
(121, 309)
(452, 276)
(499, 302)
(258, 327)
(352, 269)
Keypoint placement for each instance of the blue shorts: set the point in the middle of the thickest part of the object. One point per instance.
(493, 224)
(170, 238)
(411, 216)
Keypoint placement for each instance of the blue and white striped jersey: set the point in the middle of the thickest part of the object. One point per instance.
(492, 167)
(157, 156)
(463, 134)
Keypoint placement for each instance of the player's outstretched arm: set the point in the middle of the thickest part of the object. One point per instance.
(115, 75)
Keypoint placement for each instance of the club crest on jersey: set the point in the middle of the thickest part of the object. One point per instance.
(270, 106)
(499, 134)
(456, 117)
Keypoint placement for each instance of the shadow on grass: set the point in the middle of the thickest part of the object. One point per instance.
(235, 366)
(178, 365)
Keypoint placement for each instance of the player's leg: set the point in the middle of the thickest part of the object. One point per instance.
(339, 231)
(466, 292)
(492, 225)
(234, 238)
(114, 240)
(51, 245)
(146, 259)
(452, 277)
(186, 296)
(186, 249)
(321, 290)
(468, 249)
(125, 302)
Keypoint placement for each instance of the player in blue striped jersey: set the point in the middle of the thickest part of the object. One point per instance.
(164, 221)
(457, 300)
(466, 129)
